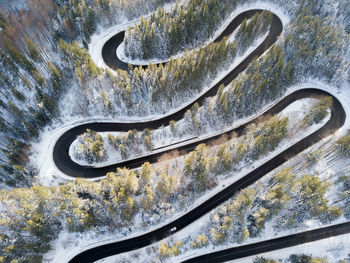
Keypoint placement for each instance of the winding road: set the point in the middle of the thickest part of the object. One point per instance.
(64, 163)
(61, 157)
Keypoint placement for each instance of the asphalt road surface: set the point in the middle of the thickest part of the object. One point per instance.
(272, 244)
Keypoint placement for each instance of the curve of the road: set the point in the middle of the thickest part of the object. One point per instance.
(67, 166)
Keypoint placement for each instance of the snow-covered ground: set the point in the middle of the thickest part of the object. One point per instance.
(48, 174)
(88, 240)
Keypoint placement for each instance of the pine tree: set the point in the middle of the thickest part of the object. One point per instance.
(147, 174)
(33, 51)
(196, 167)
(165, 185)
(147, 201)
(343, 145)
(200, 241)
(164, 250)
(224, 159)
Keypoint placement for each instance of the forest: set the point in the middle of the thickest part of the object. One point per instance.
(49, 79)
(166, 34)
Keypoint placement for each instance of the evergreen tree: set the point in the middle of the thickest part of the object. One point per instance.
(196, 168)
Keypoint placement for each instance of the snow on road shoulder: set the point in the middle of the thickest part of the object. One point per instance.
(342, 94)
(333, 249)
(41, 152)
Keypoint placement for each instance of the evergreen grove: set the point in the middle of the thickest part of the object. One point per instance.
(42, 212)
